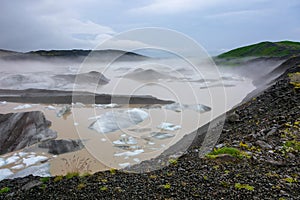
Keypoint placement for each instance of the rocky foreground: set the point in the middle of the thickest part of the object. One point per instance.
(257, 157)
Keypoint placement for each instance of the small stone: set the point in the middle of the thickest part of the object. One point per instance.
(31, 184)
(263, 144)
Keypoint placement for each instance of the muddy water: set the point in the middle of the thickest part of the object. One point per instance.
(99, 152)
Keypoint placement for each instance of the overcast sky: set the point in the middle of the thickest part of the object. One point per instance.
(217, 25)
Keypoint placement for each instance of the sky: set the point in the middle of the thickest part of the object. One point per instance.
(217, 25)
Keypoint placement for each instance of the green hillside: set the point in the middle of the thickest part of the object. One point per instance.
(264, 49)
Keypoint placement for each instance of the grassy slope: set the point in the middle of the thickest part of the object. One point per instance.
(264, 49)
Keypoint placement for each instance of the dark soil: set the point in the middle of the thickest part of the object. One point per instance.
(266, 128)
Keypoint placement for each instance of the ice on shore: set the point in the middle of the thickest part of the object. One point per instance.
(4, 173)
(63, 111)
(168, 126)
(16, 167)
(116, 120)
(25, 106)
(123, 165)
(177, 107)
(42, 170)
(3, 102)
(161, 136)
(34, 160)
(130, 153)
(12, 159)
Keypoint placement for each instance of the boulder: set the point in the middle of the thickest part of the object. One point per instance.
(61, 146)
(19, 130)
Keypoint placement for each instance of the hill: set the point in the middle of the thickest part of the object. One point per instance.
(283, 49)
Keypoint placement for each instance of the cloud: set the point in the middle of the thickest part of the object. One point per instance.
(28, 26)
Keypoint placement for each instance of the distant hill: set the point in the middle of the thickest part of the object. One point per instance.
(77, 54)
(283, 49)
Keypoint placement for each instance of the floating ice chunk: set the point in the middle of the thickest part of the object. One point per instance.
(5, 173)
(168, 126)
(3, 102)
(103, 140)
(20, 166)
(116, 120)
(136, 160)
(152, 143)
(123, 165)
(25, 106)
(2, 162)
(199, 108)
(63, 111)
(50, 108)
(78, 105)
(12, 159)
(130, 153)
(125, 141)
(177, 107)
(76, 123)
(22, 154)
(42, 170)
(111, 105)
(161, 136)
(34, 160)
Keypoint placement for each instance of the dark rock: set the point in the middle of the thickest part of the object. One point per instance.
(263, 144)
(18, 130)
(61, 146)
(31, 184)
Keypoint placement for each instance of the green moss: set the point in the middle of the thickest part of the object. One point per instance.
(103, 188)
(244, 186)
(4, 190)
(291, 146)
(173, 161)
(44, 179)
(290, 180)
(112, 171)
(80, 186)
(71, 175)
(58, 178)
(227, 150)
(167, 186)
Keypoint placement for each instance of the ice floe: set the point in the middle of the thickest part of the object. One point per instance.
(130, 153)
(42, 170)
(177, 107)
(116, 120)
(34, 160)
(123, 165)
(25, 106)
(161, 136)
(111, 105)
(168, 126)
(17, 167)
(136, 160)
(50, 108)
(63, 111)
(125, 141)
(12, 159)
(3, 102)
(4, 173)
